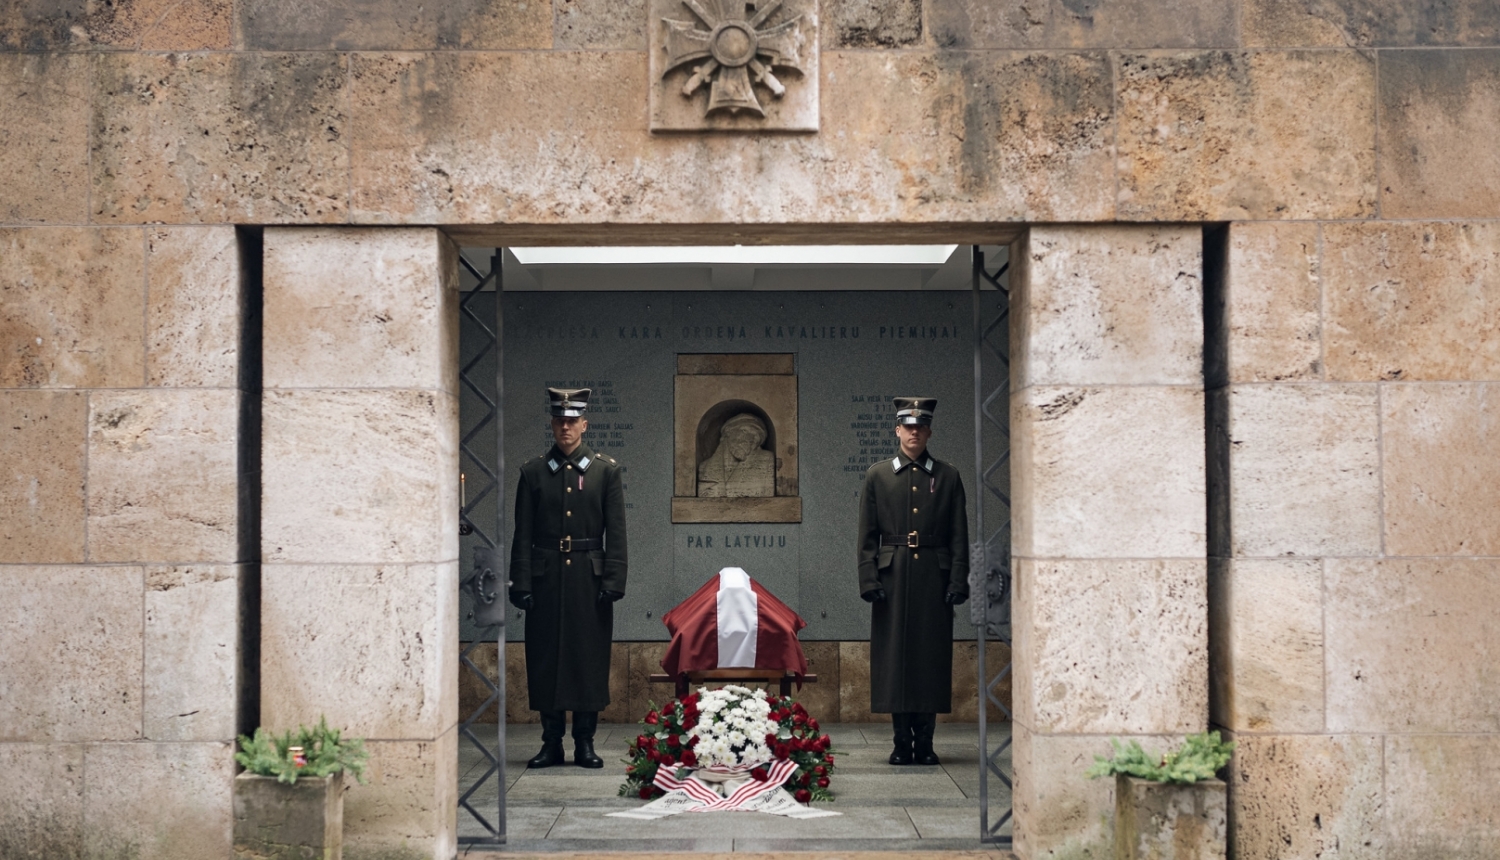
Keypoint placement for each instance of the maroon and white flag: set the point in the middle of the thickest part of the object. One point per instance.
(733, 622)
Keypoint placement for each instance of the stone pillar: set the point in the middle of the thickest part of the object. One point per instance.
(360, 517)
(1107, 416)
(122, 539)
(1354, 538)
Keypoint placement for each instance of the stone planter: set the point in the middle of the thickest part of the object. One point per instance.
(1163, 821)
(274, 821)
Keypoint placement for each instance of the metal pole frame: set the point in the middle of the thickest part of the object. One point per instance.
(990, 609)
(491, 421)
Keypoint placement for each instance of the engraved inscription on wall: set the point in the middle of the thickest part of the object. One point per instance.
(872, 432)
(839, 357)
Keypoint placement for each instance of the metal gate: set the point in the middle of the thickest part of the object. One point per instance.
(482, 786)
(481, 528)
(990, 572)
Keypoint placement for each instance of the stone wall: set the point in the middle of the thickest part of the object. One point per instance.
(1108, 470)
(490, 112)
(1353, 537)
(360, 535)
(1350, 394)
(126, 561)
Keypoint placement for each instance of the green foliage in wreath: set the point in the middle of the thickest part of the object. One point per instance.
(325, 749)
(1199, 758)
(664, 741)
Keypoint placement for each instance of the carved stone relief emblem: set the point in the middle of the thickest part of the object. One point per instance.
(734, 64)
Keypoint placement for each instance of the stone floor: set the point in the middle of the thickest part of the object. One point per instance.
(930, 810)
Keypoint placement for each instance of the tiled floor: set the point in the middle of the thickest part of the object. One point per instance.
(884, 808)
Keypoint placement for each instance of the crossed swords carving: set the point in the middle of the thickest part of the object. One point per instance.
(732, 48)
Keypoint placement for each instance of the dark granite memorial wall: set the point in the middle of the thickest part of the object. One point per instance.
(853, 351)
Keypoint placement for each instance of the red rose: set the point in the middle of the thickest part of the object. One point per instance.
(693, 741)
(820, 770)
(689, 758)
(667, 761)
(782, 751)
(691, 700)
(770, 739)
(798, 719)
(828, 758)
(675, 740)
(760, 774)
(797, 708)
(640, 741)
(645, 792)
(803, 795)
(652, 719)
(823, 783)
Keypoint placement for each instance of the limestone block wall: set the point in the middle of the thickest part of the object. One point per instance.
(1108, 473)
(933, 112)
(359, 502)
(1354, 538)
(1350, 142)
(125, 559)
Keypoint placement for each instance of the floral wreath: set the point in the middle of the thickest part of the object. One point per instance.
(731, 730)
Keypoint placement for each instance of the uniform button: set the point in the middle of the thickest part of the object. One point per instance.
(913, 510)
(570, 489)
(567, 561)
(916, 555)
(570, 468)
(570, 513)
(913, 488)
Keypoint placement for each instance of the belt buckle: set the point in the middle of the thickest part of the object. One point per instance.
(565, 544)
(911, 540)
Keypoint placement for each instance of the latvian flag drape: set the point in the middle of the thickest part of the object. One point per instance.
(733, 622)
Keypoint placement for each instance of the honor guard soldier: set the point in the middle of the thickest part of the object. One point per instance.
(913, 569)
(567, 569)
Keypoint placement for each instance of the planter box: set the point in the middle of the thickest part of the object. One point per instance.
(274, 821)
(1163, 821)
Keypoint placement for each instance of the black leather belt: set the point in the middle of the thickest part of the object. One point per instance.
(572, 544)
(912, 540)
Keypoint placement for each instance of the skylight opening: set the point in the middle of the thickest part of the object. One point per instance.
(740, 255)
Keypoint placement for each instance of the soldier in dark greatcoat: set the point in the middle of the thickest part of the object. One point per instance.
(913, 569)
(567, 569)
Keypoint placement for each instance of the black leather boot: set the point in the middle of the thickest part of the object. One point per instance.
(923, 727)
(901, 738)
(584, 725)
(554, 723)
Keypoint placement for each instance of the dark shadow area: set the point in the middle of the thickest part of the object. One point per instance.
(250, 383)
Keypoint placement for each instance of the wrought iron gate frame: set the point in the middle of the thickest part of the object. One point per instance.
(494, 546)
(990, 604)
(990, 554)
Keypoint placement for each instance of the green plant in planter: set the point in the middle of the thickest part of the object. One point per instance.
(326, 751)
(1199, 758)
